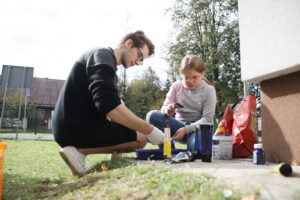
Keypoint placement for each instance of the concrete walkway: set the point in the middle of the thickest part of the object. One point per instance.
(245, 176)
(22, 136)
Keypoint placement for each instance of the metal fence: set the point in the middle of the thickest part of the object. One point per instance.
(37, 120)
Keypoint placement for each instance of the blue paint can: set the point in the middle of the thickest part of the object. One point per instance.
(203, 142)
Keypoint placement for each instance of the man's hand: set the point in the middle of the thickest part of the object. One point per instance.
(156, 136)
(179, 135)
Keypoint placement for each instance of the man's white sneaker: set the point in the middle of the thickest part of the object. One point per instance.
(74, 159)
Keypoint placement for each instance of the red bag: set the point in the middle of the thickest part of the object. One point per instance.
(244, 128)
(225, 126)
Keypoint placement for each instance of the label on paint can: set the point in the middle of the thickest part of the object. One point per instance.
(222, 147)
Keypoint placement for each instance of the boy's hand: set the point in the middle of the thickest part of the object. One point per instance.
(179, 135)
(156, 136)
(171, 109)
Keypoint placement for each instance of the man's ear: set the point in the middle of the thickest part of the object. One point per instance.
(128, 43)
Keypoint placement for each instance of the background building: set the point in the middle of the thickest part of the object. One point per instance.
(39, 104)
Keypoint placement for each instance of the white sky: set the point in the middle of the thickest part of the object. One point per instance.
(50, 35)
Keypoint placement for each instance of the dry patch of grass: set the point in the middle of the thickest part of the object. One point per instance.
(125, 180)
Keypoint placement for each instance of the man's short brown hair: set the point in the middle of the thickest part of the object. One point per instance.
(139, 40)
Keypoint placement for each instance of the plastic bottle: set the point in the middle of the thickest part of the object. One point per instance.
(3, 146)
(167, 150)
(258, 154)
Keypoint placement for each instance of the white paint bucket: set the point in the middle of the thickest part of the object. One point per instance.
(222, 147)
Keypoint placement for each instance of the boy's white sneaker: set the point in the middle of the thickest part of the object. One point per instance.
(74, 159)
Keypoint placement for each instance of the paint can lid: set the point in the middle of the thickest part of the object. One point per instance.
(258, 146)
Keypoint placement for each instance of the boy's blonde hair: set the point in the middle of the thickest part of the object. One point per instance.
(192, 62)
(195, 63)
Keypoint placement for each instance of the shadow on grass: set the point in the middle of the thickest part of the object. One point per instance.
(54, 191)
(88, 180)
(24, 187)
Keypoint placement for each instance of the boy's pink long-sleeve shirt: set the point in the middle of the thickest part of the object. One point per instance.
(199, 104)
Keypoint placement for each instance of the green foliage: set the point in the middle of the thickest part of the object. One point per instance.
(12, 103)
(145, 94)
(167, 85)
(123, 84)
(254, 89)
(209, 29)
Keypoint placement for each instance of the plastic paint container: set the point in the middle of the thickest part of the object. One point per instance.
(222, 147)
(3, 147)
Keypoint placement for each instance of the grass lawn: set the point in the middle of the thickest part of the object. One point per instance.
(34, 170)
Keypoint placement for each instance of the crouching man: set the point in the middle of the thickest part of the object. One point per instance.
(89, 117)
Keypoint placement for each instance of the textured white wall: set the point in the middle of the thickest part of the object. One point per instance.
(269, 37)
